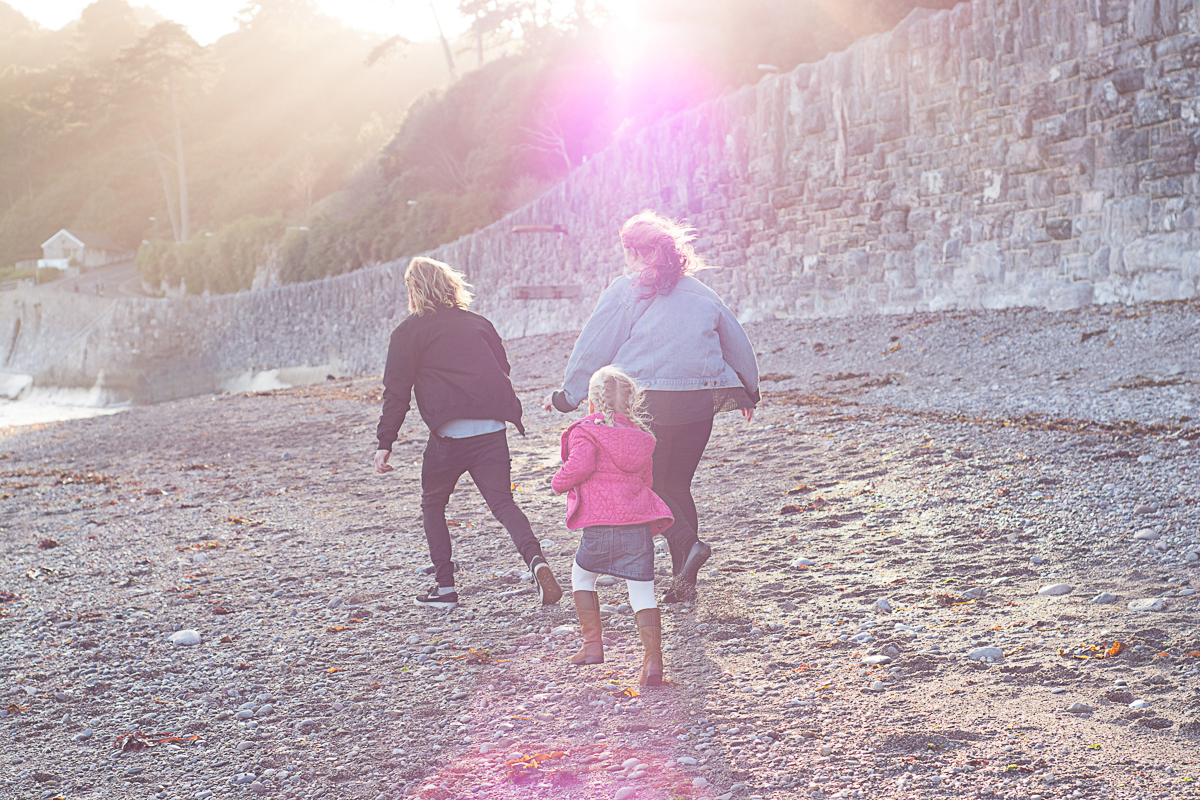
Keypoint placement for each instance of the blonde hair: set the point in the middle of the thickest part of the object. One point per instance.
(433, 285)
(663, 248)
(612, 392)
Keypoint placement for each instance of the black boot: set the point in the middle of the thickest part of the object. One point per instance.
(683, 586)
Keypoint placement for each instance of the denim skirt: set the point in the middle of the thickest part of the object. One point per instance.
(623, 551)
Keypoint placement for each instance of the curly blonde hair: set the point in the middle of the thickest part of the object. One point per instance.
(433, 285)
(664, 249)
(612, 392)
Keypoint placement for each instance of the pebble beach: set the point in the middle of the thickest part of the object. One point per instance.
(955, 555)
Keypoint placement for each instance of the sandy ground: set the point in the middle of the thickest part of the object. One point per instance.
(908, 490)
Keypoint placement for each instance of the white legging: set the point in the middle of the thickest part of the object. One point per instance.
(641, 593)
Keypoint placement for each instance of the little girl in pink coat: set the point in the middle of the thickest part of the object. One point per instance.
(607, 475)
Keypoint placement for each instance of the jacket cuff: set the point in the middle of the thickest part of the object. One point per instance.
(559, 399)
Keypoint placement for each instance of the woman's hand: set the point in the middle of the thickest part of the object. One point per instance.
(548, 403)
(748, 413)
(381, 461)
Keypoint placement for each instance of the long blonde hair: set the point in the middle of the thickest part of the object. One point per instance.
(433, 285)
(612, 392)
(663, 248)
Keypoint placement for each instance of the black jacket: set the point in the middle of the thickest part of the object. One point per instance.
(456, 362)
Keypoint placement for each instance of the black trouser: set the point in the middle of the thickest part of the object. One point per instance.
(677, 452)
(486, 458)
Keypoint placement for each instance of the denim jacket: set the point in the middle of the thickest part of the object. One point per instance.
(682, 341)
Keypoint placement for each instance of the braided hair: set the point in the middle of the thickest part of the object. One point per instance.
(612, 392)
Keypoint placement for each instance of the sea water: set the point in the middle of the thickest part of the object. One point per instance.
(40, 406)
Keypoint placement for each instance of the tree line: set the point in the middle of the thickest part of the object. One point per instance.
(294, 148)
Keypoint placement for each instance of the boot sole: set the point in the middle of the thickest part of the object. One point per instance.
(548, 586)
(654, 679)
(587, 661)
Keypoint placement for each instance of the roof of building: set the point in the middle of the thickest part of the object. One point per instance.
(96, 240)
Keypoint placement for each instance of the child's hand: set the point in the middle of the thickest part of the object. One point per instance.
(381, 461)
(748, 413)
(548, 403)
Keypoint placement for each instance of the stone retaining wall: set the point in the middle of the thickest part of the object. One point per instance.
(1001, 153)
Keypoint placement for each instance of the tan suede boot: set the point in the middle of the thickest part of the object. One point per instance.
(587, 606)
(649, 625)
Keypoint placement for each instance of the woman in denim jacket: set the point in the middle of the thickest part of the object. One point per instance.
(678, 340)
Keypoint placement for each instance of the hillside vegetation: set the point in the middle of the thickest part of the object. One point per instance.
(312, 150)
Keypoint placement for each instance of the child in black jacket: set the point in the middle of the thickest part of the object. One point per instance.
(455, 362)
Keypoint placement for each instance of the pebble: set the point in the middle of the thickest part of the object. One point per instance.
(826, 750)
(624, 792)
(1104, 597)
(264, 710)
(1146, 535)
(877, 686)
(335, 603)
(547, 543)
(876, 661)
(1078, 708)
(985, 654)
(1147, 459)
(1055, 589)
(1140, 704)
(1147, 604)
(884, 605)
(83, 735)
(803, 562)
(700, 783)
(412, 639)
(564, 630)
(1193, 556)
(184, 638)
(686, 761)
(974, 593)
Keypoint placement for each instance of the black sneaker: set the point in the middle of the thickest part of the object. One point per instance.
(549, 592)
(432, 599)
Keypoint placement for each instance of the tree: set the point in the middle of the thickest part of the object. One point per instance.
(105, 28)
(164, 57)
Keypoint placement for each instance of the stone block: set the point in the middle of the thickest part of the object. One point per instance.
(1150, 109)
(830, 198)
(920, 219)
(1153, 19)
(1128, 80)
(1098, 264)
(933, 182)
(1176, 155)
(1027, 155)
(1059, 229)
(1069, 296)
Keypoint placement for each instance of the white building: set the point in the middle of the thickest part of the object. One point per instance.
(87, 249)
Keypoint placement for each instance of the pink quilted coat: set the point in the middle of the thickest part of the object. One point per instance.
(607, 475)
